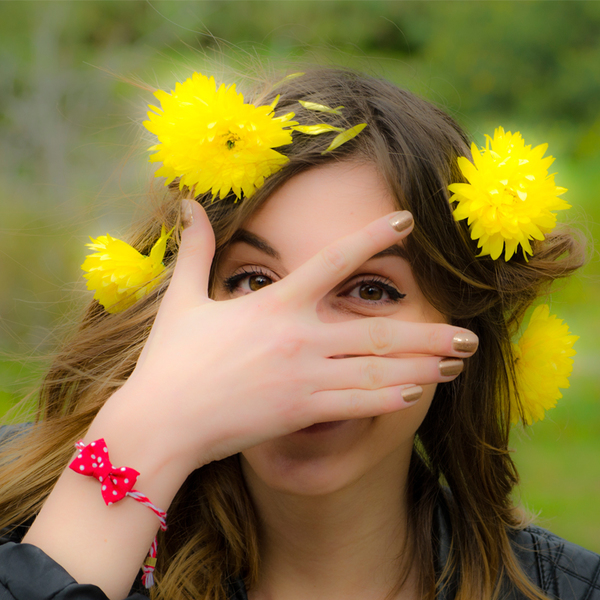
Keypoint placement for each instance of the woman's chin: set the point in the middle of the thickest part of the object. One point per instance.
(314, 461)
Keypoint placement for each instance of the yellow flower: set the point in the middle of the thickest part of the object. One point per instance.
(119, 274)
(543, 364)
(509, 197)
(214, 141)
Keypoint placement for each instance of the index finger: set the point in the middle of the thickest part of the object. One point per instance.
(318, 275)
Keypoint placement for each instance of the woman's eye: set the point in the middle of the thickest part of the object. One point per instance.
(255, 282)
(371, 292)
(374, 290)
(247, 281)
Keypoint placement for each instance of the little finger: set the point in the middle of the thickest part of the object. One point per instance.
(340, 405)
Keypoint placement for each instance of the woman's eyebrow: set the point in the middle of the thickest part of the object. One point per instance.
(243, 235)
(394, 250)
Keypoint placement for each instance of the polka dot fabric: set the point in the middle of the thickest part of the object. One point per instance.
(93, 461)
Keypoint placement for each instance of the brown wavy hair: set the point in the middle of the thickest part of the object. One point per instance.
(461, 458)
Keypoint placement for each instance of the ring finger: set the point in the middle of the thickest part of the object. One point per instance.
(375, 372)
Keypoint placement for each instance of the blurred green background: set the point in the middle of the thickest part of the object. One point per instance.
(73, 162)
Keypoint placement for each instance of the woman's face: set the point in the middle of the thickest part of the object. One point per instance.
(307, 213)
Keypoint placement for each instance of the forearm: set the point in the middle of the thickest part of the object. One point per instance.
(100, 544)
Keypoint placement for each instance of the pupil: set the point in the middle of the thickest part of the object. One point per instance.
(258, 281)
(371, 292)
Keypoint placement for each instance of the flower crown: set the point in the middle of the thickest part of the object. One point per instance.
(212, 141)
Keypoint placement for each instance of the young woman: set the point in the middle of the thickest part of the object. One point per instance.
(319, 389)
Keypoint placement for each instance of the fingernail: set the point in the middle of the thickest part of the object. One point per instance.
(412, 394)
(451, 366)
(401, 220)
(465, 341)
(187, 215)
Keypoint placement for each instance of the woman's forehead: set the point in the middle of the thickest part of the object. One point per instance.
(321, 205)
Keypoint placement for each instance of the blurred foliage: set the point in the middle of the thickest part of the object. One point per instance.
(74, 162)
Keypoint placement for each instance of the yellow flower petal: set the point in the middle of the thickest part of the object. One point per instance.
(316, 129)
(543, 364)
(345, 136)
(287, 78)
(275, 102)
(321, 107)
(119, 274)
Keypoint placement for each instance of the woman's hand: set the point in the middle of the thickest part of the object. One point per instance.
(216, 378)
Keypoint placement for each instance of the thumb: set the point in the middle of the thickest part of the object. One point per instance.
(189, 282)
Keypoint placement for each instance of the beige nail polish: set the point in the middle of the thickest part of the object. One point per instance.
(465, 341)
(401, 221)
(451, 366)
(412, 394)
(187, 216)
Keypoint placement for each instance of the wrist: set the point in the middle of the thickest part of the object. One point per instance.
(138, 440)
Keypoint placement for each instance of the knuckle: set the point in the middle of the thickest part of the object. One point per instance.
(434, 340)
(371, 374)
(333, 260)
(383, 399)
(371, 237)
(381, 336)
(288, 342)
(355, 404)
(288, 347)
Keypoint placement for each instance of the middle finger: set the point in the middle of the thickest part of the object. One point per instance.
(381, 336)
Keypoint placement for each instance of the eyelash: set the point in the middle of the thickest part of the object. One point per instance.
(231, 284)
(393, 294)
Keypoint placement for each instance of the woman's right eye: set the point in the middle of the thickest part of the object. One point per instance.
(247, 281)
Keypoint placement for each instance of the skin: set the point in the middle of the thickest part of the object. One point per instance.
(300, 352)
(331, 499)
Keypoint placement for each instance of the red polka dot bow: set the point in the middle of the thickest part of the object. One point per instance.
(93, 460)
